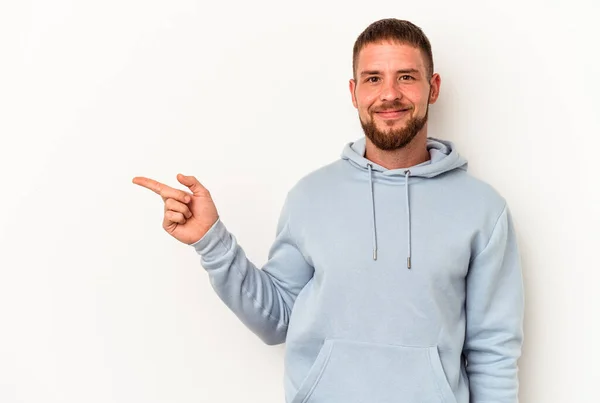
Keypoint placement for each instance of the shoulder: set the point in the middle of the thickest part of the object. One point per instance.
(464, 185)
(320, 179)
(476, 201)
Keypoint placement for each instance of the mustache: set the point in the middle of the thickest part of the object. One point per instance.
(390, 106)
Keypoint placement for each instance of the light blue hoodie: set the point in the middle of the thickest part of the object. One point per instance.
(384, 284)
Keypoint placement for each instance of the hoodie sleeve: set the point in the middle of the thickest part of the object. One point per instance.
(261, 298)
(494, 315)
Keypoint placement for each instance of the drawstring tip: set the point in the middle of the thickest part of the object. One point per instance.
(374, 254)
(408, 262)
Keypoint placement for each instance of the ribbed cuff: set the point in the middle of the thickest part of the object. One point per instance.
(215, 243)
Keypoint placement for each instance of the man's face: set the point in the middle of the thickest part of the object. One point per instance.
(392, 93)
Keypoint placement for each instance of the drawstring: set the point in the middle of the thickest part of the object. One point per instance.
(373, 211)
(406, 175)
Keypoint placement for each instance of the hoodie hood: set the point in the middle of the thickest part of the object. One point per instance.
(442, 153)
(443, 158)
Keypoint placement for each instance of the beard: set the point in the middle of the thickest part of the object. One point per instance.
(393, 139)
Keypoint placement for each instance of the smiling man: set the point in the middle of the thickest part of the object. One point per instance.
(392, 88)
(394, 275)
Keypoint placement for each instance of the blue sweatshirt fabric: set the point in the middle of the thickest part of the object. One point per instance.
(387, 286)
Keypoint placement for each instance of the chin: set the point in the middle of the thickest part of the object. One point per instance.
(389, 129)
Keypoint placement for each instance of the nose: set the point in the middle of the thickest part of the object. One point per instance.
(390, 91)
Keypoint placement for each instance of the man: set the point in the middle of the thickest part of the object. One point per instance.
(394, 275)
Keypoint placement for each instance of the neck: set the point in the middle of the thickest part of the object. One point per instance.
(412, 154)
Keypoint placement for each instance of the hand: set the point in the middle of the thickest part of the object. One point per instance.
(188, 217)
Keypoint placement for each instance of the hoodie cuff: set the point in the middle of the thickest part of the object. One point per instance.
(215, 243)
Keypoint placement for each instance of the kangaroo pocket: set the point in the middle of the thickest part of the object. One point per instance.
(361, 372)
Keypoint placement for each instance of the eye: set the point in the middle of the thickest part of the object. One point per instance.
(406, 77)
(372, 79)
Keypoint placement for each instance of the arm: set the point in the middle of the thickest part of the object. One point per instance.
(494, 315)
(262, 299)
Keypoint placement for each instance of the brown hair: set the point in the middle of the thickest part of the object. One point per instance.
(394, 30)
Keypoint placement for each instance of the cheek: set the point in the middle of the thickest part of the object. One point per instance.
(419, 97)
(365, 100)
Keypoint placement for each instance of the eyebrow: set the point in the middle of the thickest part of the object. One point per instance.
(376, 72)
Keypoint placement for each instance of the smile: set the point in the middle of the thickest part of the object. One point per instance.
(392, 114)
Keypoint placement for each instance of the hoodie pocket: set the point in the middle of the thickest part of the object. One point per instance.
(361, 372)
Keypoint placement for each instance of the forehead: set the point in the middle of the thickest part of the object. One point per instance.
(391, 55)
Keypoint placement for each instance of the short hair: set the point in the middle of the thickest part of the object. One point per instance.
(394, 30)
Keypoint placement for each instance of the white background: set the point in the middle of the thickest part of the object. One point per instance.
(99, 304)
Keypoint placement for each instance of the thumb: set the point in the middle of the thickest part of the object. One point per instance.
(192, 183)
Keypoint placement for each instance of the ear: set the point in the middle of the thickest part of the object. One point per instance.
(352, 85)
(434, 89)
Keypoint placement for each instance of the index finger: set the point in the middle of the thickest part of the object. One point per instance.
(148, 183)
(161, 189)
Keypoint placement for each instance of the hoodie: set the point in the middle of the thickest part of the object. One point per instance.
(387, 285)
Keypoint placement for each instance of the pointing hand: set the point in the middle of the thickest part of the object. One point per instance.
(188, 217)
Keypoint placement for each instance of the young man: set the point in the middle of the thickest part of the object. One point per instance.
(394, 275)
